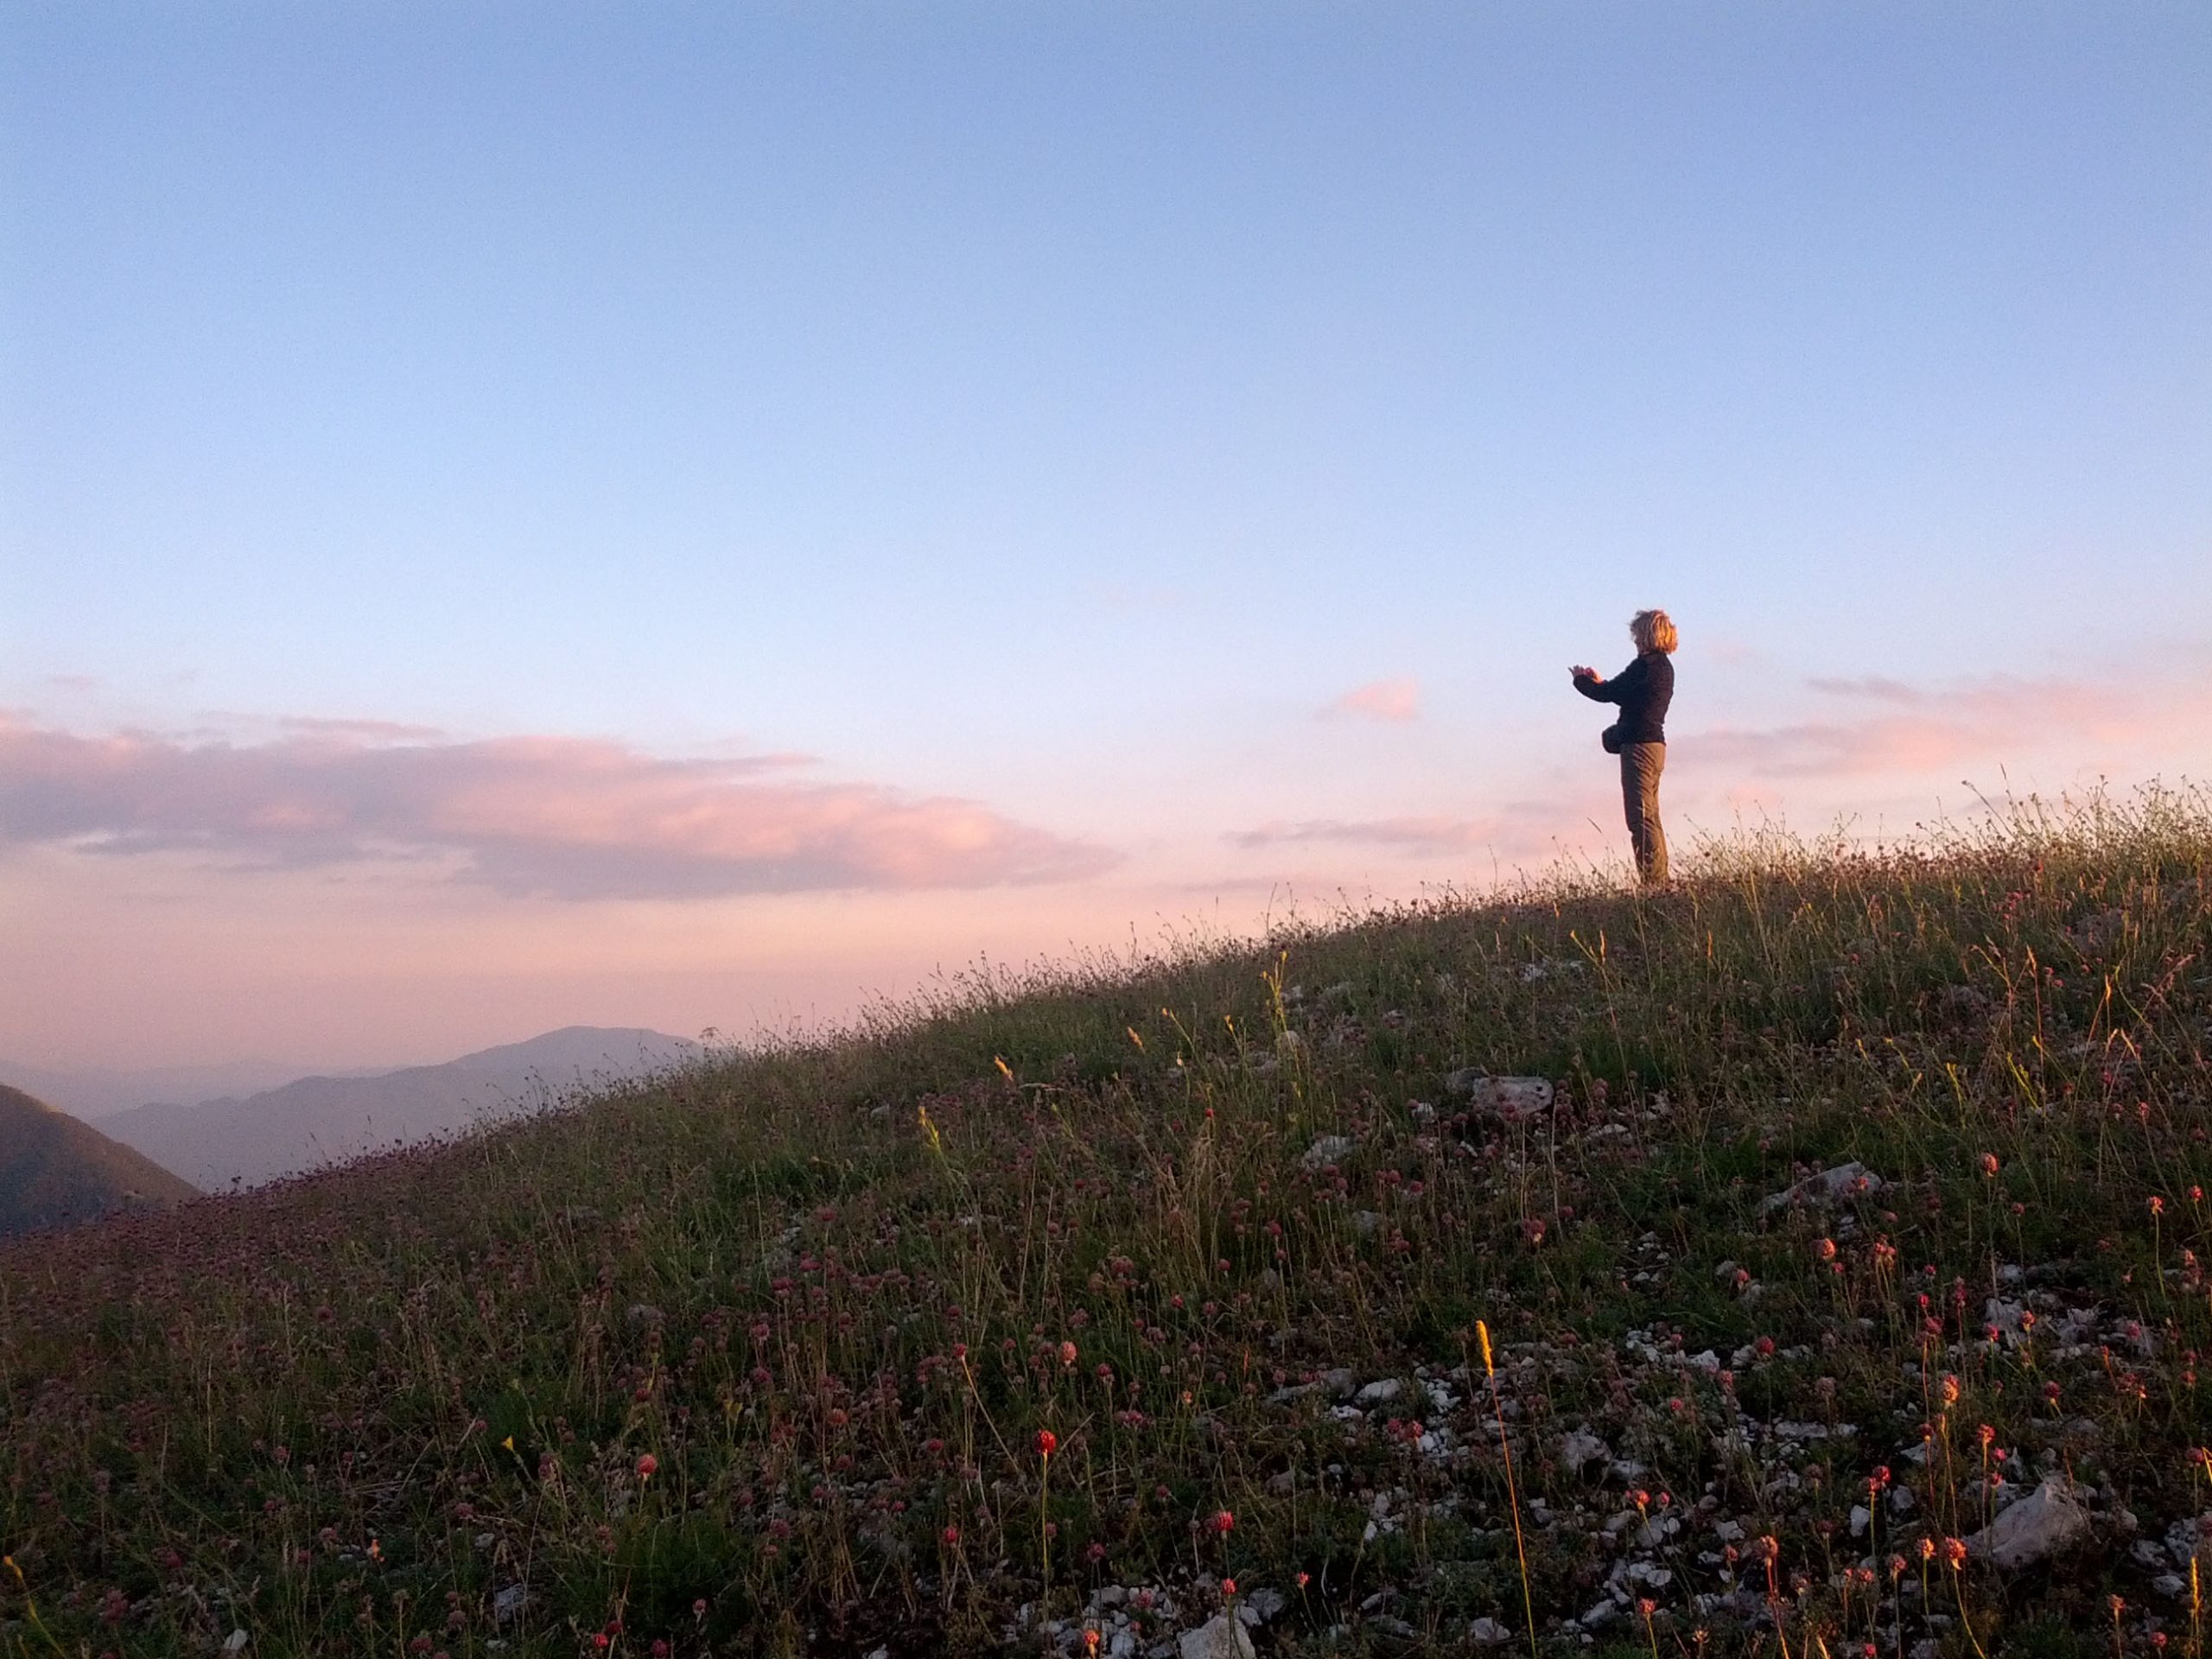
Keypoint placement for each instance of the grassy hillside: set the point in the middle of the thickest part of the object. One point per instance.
(764, 1359)
(55, 1171)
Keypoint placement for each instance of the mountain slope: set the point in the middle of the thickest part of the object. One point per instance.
(315, 1120)
(1834, 1279)
(54, 1171)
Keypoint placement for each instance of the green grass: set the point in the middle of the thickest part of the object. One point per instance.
(834, 1290)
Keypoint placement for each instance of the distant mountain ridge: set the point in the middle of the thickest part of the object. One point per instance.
(315, 1120)
(55, 1171)
(95, 1092)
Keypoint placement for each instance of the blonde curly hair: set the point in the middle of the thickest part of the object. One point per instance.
(1652, 631)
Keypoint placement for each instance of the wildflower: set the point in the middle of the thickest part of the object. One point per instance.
(1047, 1443)
(1222, 1521)
(952, 1535)
(1067, 1354)
(1229, 1589)
(1989, 1163)
(646, 1464)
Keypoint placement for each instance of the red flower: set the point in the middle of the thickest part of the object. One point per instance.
(1222, 1521)
(1047, 1442)
(646, 1464)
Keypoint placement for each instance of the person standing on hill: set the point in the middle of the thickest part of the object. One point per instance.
(1643, 690)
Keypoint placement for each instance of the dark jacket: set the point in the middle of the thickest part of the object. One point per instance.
(1644, 690)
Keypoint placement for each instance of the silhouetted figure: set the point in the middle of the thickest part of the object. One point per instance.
(1643, 690)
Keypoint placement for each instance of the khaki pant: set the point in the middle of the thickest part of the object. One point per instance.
(1640, 764)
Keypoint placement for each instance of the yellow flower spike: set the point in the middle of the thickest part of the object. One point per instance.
(1482, 1335)
(1004, 1071)
(1134, 1038)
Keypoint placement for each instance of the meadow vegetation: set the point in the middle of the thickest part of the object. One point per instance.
(1228, 1290)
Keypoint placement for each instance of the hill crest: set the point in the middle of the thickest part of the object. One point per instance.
(55, 1171)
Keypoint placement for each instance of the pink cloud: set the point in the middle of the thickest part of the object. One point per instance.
(1874, 686)
(1413, 834)
(558, 816)
(1991, 719)
(1393, 700)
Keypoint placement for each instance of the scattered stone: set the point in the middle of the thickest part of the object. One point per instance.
(509, 1601)
(2004, 1317)
(1503, 1097)
(1844, 1181)
(1381, 1392)
(1265, 1603)
(2046, 1523)
(1364, 1222)
(1580, 1449)
(235, 1641)
(1488, 1633)
(1219, 1637)
(1328, 1151)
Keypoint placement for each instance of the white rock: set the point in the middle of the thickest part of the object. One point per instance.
(2006, 1317)
(1506, 1097)
(1265, 1604)
(1380, 1392)
(1844, 1181)
(235, 1641)
(1219, 1637)
(509, 1601)
(1488, 1633)
(1328, 1151)
(1580, 1448)
(2047, 1522)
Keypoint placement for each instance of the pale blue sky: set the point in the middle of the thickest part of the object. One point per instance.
(1056, 405)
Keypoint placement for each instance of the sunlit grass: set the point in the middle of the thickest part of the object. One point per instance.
(758, 1357)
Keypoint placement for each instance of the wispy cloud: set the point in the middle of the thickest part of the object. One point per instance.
(546, 816)
(1397, 700)
(1995, 718)
(1411, 835)
(1871, 686)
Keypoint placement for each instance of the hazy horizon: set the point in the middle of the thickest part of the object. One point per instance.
(695, 521)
